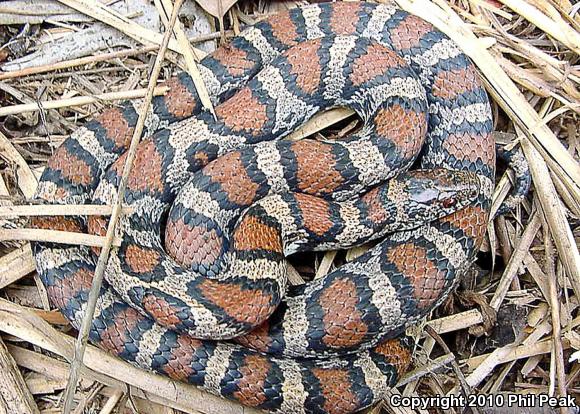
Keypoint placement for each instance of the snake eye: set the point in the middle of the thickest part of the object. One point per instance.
(448, 202)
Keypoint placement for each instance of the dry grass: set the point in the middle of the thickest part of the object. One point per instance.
(513, 324)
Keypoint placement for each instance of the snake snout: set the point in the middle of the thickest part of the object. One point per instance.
(442, 190)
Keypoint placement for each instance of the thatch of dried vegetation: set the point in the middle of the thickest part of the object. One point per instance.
(511, 327)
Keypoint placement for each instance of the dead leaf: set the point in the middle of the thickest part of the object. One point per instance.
(213, 7)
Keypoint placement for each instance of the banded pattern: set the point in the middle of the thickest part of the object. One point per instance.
(333, 345)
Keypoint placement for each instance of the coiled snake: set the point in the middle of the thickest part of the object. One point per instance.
(228, 200)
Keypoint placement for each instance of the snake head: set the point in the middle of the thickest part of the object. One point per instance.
(431, 194)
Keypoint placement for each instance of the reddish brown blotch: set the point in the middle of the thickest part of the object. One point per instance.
(97, 225)
(146, 172)
(243, 113)
(375, 207)
(343, 324)
(315, 213)
(409, 32)
(252, 234)
(179, 366)
(336, 389)
(283, 28)
(230, 172)
(344, 18)
(250, 306)
(64, 289)
(192, 245)
(71, 167)
(403, 127)
(427, 280)
(305, 64)
(472, 220)
(451, 83)
(178, 100)
(396, 354)
(116, 127)
(374, 62)
(316, 166)
(161, 311)
(235, 60)
(258, 339)
(253, 378)
(472, 147)
(59, 223)
(118, 333)
(141, 259)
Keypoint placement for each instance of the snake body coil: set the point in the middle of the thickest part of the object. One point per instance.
(228, 200)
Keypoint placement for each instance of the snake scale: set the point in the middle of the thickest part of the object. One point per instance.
(197, 289)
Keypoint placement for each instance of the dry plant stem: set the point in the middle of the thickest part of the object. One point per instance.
(83, 336)
(99, 58)
(15, 397)
(41, 385)
(505, 238)
(320, 121)
(79, 100)
(294, 278)
(60, 210)
(569, 199)
(108, 16)
(15, 265)
(26, 179)
(464, 386)
(562, 31)
(426, 369)
(42, 364)
(555, 216)
(55, 236)
(502, 189)
(427, 349)
(325, 264)
(554, 300)
(111, 403)
(500, 378)
(86, 399)
(483, 365)
(516, 259)
(76, 62)
(443, 325)
(53, 317)
(456, 322)
(537, 274)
